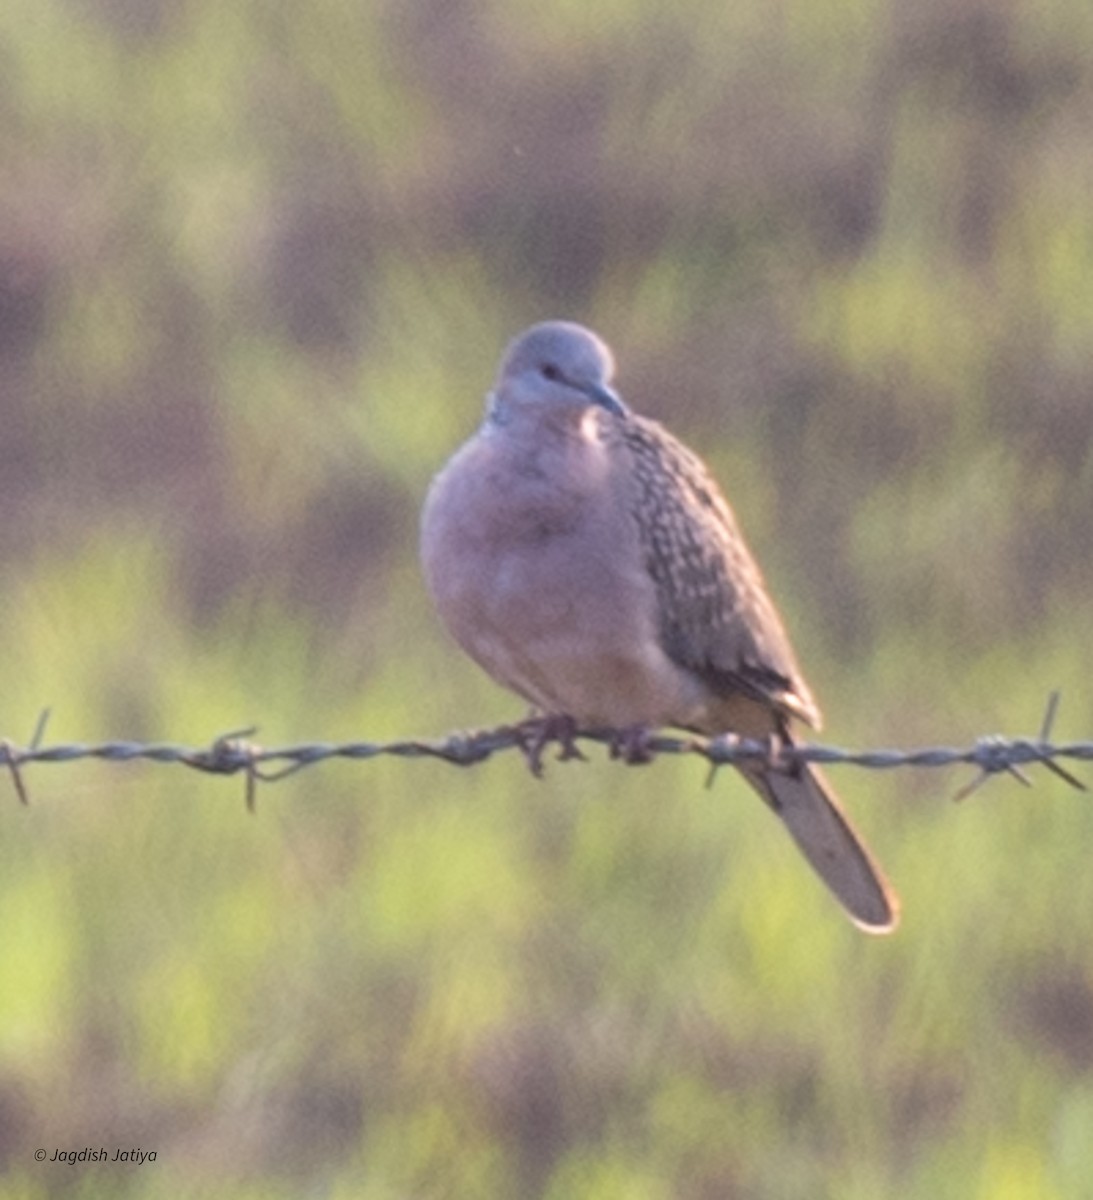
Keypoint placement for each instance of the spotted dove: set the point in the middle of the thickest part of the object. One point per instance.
(588, 561)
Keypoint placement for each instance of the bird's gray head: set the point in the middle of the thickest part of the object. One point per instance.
(555, 366)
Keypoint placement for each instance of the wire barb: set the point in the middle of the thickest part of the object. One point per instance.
(232, 752)
(12, 757)
(235, 751)
(994, 753)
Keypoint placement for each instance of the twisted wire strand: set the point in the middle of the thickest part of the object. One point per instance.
(236, 752)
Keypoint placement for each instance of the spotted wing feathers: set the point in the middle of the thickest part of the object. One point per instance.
(715, 617)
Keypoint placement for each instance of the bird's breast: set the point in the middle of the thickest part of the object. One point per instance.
(522, 554)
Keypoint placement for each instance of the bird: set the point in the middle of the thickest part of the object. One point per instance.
(588, 561)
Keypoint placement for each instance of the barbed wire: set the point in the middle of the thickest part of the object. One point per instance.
(236, 752)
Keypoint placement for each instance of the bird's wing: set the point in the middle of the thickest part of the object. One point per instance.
(715, 617)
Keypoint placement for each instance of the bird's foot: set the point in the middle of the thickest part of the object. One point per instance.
(778, 742)
(632, 745)
(775, 746)
(537, 732)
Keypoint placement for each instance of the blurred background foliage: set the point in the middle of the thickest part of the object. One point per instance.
(257, 262)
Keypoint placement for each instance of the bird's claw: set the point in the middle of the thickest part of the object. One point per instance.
(536, 733)
(632, 745)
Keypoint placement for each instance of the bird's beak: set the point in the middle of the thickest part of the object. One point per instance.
(603, 396)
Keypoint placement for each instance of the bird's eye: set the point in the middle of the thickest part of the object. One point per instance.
(551, 372)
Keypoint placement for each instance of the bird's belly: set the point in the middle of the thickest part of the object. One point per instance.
(572, 635)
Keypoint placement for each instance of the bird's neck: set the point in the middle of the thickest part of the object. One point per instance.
(545, 468)
(532, 425)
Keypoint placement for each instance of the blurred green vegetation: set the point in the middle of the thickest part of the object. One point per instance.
(257, 262)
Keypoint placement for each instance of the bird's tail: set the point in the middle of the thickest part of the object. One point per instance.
(812, 813)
